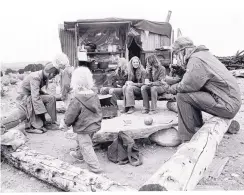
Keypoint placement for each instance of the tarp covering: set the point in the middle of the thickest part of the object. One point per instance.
(102, 37)
(134, 35)
(162, 28)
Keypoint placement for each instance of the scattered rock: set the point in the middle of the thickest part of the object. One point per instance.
(241, 153)
(167, 137)
(226, 179)
(234, 175)
(8, 191)
(21, 173)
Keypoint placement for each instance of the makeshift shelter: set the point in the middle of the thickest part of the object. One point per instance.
(105, 39)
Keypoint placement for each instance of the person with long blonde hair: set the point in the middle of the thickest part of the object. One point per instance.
(84, 114)
(132, 88)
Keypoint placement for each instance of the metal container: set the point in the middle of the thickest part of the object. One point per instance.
(93, 65)
(103, 65)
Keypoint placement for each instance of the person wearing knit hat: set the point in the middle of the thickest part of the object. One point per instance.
(207, 86)
(36, 102)
(182, 43)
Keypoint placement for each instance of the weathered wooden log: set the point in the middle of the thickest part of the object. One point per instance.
(58, 173)
(186, 167)
(172, 106)
(12, 119)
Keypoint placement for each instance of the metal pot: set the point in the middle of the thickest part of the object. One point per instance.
(103, 65)
(93, 65)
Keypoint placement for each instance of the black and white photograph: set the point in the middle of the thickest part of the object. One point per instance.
(122, 95)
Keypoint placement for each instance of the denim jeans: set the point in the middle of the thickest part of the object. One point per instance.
(154, 91)
(129, 93)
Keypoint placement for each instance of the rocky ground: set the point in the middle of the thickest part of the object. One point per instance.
(54, 143)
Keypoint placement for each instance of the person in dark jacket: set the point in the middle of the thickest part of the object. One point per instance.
(84, 114)
(206, 86)
(132, 87)
(117, 80)
(35, 101)
(156, 73)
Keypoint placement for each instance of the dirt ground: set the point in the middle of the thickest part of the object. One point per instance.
(54, 143)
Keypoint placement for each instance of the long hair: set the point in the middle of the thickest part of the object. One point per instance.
(122, 66)
(82, 79)
(138, 73)
(152, 60)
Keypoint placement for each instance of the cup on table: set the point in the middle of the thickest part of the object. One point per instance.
(146, 81)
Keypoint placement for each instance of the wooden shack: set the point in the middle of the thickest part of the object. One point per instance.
(113, 38)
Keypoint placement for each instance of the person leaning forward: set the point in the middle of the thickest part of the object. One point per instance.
(35, 102)
(206, 86)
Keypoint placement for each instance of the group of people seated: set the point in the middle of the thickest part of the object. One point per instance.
(206, 86)
(131, 80)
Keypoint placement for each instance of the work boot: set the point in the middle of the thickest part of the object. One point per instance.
(152, 112)
(35, 131)
(124, 110)
(77, 155)
(234, 127)
(145, 111)
(51, 126)
(97, 171)
(131, 110)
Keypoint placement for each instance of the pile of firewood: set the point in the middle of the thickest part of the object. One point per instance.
(233, 62)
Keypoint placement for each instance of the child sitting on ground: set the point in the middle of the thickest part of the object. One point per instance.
(84, 114)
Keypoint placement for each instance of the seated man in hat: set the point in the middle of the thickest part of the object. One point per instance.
(206, 86)
(35, 102)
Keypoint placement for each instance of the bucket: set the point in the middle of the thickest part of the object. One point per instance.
(93, 65)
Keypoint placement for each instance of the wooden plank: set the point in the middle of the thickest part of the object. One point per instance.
(208, 188)
(186, 167)
(58, 173)
(134, 125)
(102, 53)
(76, 45)
(216, 168)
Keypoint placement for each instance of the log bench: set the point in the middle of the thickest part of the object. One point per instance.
(186, 167)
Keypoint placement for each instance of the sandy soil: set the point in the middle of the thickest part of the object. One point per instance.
(54, 143)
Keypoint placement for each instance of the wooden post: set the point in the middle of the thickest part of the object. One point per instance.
(186, 167)
(172, 41)
(58, 173)
(168, 16)
(179, 34)
(126, 45)
(76, 44)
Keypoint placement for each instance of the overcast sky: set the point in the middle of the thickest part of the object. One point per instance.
(29, 28)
